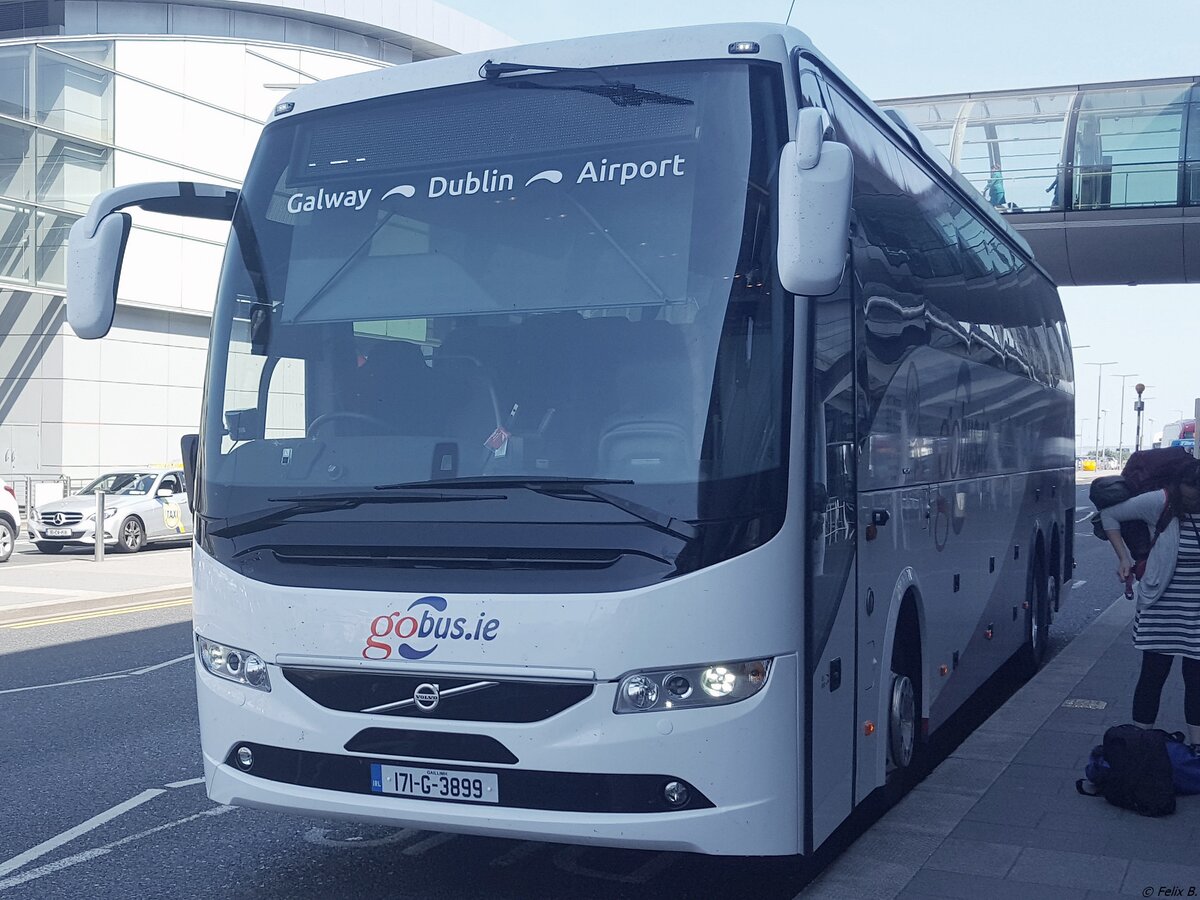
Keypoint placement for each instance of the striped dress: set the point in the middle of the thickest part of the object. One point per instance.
(1172, 623)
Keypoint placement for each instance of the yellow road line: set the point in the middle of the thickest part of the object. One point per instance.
(99, 614)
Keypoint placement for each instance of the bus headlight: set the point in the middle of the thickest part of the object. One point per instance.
(712, 685)
(233, 664)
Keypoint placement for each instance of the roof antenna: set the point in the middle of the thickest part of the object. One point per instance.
(790, 10)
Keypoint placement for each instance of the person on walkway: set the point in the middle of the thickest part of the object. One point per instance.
(1167, 621)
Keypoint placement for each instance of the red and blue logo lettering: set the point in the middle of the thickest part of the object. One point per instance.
(424, 621)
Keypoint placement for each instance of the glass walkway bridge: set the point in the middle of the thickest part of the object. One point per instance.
(1103, 180)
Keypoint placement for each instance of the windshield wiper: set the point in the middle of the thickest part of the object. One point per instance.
(621, 93)
(564, 487)
(492, 70)
(233, 527)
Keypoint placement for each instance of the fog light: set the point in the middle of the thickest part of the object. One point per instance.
(245, 758)
(641, 691)
(676, 793)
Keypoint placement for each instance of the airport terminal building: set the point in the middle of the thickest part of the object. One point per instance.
(97, 93)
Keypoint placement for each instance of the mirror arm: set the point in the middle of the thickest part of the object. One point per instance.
(194, 200)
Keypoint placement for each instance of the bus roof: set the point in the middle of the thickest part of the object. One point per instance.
(776, 43)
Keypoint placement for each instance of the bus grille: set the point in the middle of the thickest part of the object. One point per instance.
(478, 700)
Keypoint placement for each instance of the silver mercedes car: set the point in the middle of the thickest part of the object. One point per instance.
(140, 507)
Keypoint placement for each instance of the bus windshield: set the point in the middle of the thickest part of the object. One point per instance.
(553, 275)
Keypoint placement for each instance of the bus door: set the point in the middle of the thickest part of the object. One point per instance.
(831, 609)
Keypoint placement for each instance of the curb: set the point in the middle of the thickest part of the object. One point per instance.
(26, 612)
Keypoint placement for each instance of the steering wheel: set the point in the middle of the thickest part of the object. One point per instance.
(325, 418)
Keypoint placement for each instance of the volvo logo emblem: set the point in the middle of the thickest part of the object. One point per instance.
(427, 697)
(59, 518)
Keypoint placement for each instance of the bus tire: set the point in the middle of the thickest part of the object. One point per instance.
(1037, 615)
(904, 692)
(902, 722)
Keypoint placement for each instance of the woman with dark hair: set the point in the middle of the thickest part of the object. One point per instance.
(1167, 622)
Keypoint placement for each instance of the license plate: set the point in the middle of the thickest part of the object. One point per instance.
(58, 532)
(435, 784)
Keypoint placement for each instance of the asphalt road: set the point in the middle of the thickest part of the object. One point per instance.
(103, 798)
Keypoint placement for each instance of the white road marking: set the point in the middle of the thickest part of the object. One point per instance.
(161, 665)
(48, 846)
(420, 847)
(1084, 519)
(183, 784)
(89, 855)
(110, 676)
(1079, 583)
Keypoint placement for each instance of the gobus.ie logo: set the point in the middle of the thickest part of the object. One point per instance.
(392, 632)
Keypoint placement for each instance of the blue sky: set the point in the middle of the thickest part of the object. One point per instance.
(892, 48)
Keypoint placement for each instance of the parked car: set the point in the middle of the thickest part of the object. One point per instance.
(10, 520)
(140, 507)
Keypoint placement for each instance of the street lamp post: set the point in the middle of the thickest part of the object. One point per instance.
(1099, 385)
(1121, 426)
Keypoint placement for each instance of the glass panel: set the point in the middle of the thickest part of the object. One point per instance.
(1012, 150)
(52, 229)
(14, 82)
(1127, 148)
(14, 241)
(70, 174)
(74, 97)
(1193, 156)
(99, 52)
(936, 120)
(16, 161)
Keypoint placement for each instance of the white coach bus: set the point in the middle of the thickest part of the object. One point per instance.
(639, 441)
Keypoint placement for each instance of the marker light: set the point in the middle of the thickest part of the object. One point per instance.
(744, 47)
(232, 664)
(721, 683)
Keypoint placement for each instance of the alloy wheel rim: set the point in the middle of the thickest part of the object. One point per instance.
(132, 534)
(904, 724)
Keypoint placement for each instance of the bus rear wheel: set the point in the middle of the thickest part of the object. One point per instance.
(1040, 593)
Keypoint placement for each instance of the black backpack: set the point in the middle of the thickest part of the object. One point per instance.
(1132, 770)
(1145, 470)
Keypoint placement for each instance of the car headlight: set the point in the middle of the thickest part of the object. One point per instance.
(691, 686)
(233, 664)
(108, 514)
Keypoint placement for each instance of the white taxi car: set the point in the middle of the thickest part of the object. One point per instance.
(140, 507)
(10, 520)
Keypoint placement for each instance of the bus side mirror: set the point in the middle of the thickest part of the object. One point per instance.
(93, 270)
(816, 177)
(96, 246)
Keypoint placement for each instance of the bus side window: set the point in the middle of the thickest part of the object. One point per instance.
(810, 90)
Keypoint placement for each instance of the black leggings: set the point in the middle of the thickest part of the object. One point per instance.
(1155, 668)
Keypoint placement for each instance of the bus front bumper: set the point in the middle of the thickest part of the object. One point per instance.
(585, 776)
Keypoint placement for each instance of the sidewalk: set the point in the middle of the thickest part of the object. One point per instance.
(1001, 818)
(76, 582)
